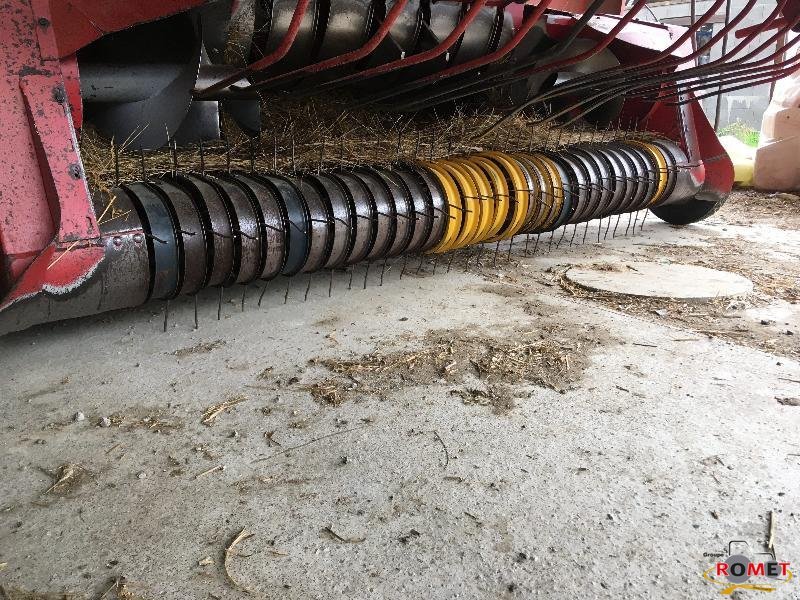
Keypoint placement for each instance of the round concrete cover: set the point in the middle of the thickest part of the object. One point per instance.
(655, 280)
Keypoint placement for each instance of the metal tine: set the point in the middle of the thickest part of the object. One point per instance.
(330, 284)
(399, 144)
(308, 287)
(274, 151)
(252, 154)
(174, 148)
(435, 263)
(202, 158)
(166, 314)
(630, 216)
(288, 285)
(635, 219)
(563, 232)
(614, 234)
(294, 166)
(608, 226)
(449, 262)
(141, 162)
(227, 155)
(366, 273)
(574, 230)
(419, 266)
(536, 245)
(244, 294)
(219, 304)
(352, 270)
(196, 324)
(405, 261)
(585, 231)
(263, 291)
(510, 246)
(116, 164)
(496, 250)
(383, 269)
(550, 243)
(641, 227)
(599, 229)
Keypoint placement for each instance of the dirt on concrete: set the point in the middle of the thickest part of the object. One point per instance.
(485, 432)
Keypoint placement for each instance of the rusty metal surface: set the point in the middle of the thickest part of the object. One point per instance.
(365, 218)
(422, 207)
(340, 207)
(162, 242)
(190, 235)
(438, 204)
(246, 231)
(320, 228)
(273, 220)
(299, 229)
(217, 222)
(385, 217)
(404, 211)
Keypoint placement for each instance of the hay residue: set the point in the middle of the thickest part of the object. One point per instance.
(307, 134)
(199, 348)
(68, 478)
(456, 358)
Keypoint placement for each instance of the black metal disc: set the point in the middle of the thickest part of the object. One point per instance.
(386, 216)
(341, 209)
(163, 245)
(217, 221)
(364, 213)
(423, 206)
(273, 220)
(191, 236)
(299, 230)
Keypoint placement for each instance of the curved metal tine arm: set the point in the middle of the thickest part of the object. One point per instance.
(415, 59)
(601, 98)
(267, 61)
(464, 89)
(749, 83)
(341, 59)
(528, 23)
(753, 71)
(656, 64)
(609, 37)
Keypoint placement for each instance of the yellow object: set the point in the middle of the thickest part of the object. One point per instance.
(743, 157)
(556, 191)
(661, 175)
(470, 204)
(500, 196)
(518, 191)
(454, 209)
(485, 199)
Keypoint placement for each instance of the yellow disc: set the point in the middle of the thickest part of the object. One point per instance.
(554, 196)
(655, 151)
(454, 210)
(484, 199)
(470, 203)
(518, 190)
(500, 197)
(539, 205)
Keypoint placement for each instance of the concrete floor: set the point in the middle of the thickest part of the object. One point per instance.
(670, 443)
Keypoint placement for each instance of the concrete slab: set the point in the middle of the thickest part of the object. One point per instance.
(670, 444)
(660, 280)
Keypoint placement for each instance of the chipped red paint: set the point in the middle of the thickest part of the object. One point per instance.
(43, 197)
(55, 274)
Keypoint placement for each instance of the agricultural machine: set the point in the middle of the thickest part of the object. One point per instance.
(161, 76)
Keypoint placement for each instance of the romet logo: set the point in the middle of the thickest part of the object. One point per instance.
(744, 570)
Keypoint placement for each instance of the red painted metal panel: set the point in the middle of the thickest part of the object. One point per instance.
(80, 22)
(60, 165)
(26, 222)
